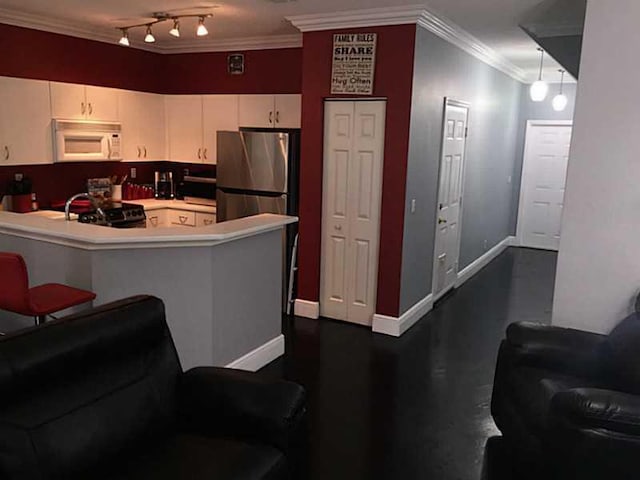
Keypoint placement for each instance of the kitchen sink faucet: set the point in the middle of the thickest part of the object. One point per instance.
(91, 198)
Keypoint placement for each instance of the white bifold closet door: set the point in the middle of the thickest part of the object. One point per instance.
(352, 191)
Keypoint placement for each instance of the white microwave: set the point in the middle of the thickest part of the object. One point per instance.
(81, 141)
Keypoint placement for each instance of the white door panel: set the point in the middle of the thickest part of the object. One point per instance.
(447, 240)
(354, 148)
(544, 175)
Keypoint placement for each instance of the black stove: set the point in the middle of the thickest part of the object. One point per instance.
(116, 215)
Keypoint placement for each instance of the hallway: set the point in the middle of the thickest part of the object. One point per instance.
(416, 407)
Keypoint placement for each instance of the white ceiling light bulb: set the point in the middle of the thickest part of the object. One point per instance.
(540, 88)
(560, 101)
(175, 31)
(149, 38)
(124, 40)
(202, 30)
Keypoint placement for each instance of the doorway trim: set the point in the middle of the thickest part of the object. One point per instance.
(448, 102)
(524, 177)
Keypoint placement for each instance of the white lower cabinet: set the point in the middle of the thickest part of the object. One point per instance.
(182, 217)
(168, 217)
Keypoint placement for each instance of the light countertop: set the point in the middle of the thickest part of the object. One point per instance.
(53, 228)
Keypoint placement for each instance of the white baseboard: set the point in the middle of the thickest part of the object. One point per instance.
(307, 309)
(484, 260)
(395, 326)
(261, 356)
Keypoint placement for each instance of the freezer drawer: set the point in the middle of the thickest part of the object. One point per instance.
(237, 205)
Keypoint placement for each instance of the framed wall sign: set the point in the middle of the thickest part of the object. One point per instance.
(235, 64)
(354, 62)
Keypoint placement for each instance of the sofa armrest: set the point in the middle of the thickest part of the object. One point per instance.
(222, 401)
(525, 334)
(589, 408)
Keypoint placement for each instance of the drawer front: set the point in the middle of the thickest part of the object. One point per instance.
(205, 219)
(157, 218)
(181, 217)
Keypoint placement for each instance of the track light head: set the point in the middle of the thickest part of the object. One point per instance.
(201, 30)
(124, 40)
(175, 31)
(149, 38)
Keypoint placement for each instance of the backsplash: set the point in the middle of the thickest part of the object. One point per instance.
(59, 181)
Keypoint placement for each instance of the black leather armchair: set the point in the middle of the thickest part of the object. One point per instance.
(570, 400)
(101, 395)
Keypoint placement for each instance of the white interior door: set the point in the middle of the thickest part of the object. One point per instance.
(352, 192)
(544, 175)
(449, 211)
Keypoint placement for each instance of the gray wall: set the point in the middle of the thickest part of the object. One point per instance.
(443, 70)
(530, 110)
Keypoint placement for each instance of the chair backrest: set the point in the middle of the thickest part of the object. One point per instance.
(621, 355)
(14, 284)
(78, 392)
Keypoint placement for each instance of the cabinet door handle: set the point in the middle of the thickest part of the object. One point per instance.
(109, 148)
(90, 109)
(183, 219)
(270, 118)
(199, 154)
(278, 117)
(145, 151)
(139, 152)
(83, 109)
(7, 153)
(204, 153)
(208, 222)
(154, 221)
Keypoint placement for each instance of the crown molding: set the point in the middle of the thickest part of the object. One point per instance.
(462, 39)
(373, 17)
(413, 14)
(110, 35)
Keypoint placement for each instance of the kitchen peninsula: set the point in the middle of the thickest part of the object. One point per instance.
(221, 284)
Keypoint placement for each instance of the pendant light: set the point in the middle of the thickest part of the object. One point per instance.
(149, 38)
(202, 30)
(540, 88)
(560, 101)
(175, 31)
(124, 40)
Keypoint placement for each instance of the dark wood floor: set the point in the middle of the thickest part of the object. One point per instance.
(416, 407)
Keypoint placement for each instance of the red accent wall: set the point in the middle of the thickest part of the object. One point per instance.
(393, 80)
(266, 71)
(31, 53)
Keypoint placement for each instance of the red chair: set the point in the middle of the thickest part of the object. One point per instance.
(37, 302)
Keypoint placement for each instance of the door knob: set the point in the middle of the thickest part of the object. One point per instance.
(441, 220)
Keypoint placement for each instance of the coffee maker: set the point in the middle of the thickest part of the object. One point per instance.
(163, 183)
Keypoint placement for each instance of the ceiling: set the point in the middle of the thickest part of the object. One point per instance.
(494, 22)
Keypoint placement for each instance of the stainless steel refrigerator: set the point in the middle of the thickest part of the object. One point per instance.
(257, 172)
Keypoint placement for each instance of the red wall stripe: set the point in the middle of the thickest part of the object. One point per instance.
(393, 80)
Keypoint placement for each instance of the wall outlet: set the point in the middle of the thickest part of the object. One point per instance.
(509, 179)
(133, 173)
(413, 205)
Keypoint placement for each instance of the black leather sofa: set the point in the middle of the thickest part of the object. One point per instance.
(102, 395)
(568, 402)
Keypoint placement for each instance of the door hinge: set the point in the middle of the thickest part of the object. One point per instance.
(466, 132)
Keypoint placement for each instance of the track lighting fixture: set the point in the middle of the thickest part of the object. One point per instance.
(560, 101)
(540, 88)
(202, 30)
(149, 38)
(175, 31)
(124, 40)
(160, 17)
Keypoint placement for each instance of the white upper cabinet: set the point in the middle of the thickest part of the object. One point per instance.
(220, 112)
(80, 102)
(184, 128)
(270, 111)
(143, 125)
(25, 122)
